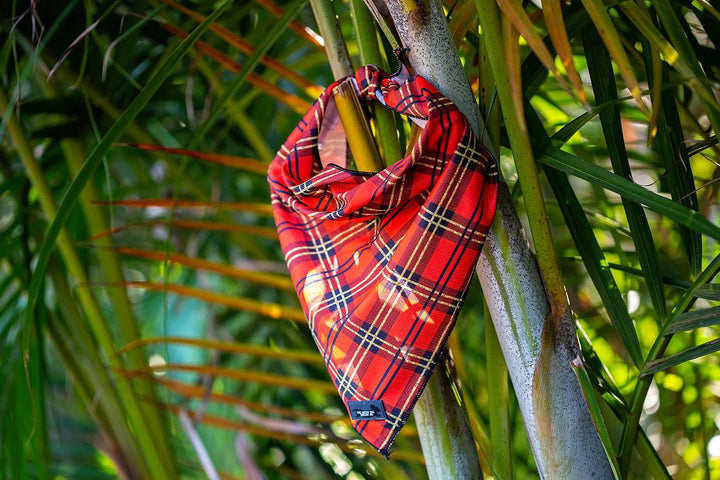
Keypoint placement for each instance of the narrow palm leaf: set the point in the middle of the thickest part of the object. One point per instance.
(596, 414)
(685, 356)
(603, 83)
(299, 105)
(233, 88)
(302, 30)
(266, 232)
(596, 264)
(196, 392)
(515, 13)
(704, 317)
(98, 153)
(234, 373)
(348, 447)
(228, 347)
(247, 48)
(552, 11)
(281, 282)
(600, 17)
(169, 203)
(271, 310)
(572, 165)
(232, 161)
(684, 66)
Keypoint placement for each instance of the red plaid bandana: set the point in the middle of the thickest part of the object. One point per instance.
(381, 261)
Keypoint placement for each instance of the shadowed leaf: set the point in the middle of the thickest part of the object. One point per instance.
(709, 292)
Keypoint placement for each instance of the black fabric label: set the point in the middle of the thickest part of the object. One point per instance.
(366, 410)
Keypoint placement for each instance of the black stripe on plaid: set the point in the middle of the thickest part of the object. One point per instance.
(404, 280)
(436, 219)
(385, 252)
(345, 386)
(371, 337)
(423, 363)
(322, 249)
(339, 298)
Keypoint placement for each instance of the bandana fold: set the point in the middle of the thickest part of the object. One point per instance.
(381, 262)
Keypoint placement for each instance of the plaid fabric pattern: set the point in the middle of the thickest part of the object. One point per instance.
(381, 261)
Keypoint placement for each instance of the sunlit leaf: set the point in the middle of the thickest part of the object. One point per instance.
(512, 63)
(515, 13)
(605, 27)
(555, 22)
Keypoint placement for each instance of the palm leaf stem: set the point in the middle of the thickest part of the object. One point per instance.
(498, 375)
(93, 385)
(499, 403)
(369, 49)
(335, 47)
(525, 165)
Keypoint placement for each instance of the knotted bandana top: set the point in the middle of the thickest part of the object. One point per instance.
(381, 262)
